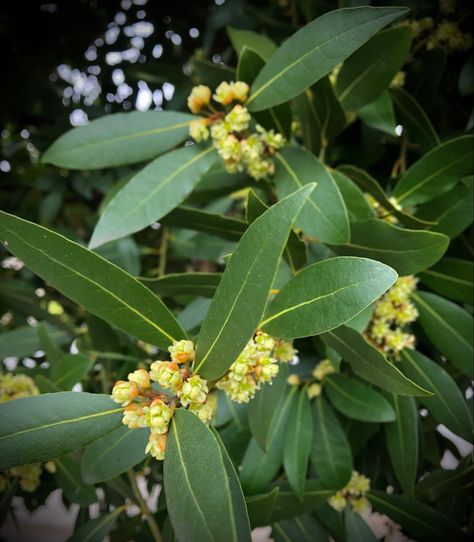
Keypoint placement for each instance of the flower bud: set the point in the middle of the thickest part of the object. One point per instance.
(124, 392)
(141, 377)
(198, 130)
(224, 94)
(266, 369)
(158, 416)
(238, 119)
(264, 342)
(50, 466)
(203, 411)
(284, 351)
(240, 91)
(314, 390)
(293, 380)
(156, 446)
(358, 484)
(240, 391)
(166, 373)
(16, 386)
(338, 502)
(182, 351)
(193, 390)
(134, 416)
(323, 369)
(200, 97)
(29, 476)
(359, 505)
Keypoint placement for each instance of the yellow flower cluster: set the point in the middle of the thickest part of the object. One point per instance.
(16, 386)
(241, 149)
(445, 34)
(150, 406)
(393, 312)
(399, 80)
(257, 364)
(322, 369)
(380, 211)
(353, 493)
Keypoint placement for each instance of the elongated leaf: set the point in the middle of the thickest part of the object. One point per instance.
(415, 120)
(324, 216)
(114, 454)
(263, 406)
(367, 362)
(88, 279)
(260, 43)
(300, 529)
(23, 341)
(356, 528)
(358, 401)
(357, 206)
(53, 352)
(440, 483)
(407, 251)
(436, 172)
(70, 370)
(416, 519)
(449, 327)
(246, 283)
(200, 502)
(152, 193)
(313, 51)
(379, 114)
(68, 477)
(447, 404)
(325, 295)
(298, 440)
(116, 140)
(97, 530)
(204, 221)
(39, 428)
(367, 73)
(260, 507)
(452, 278)
(201, 284)
(330, 454)
(402, 441)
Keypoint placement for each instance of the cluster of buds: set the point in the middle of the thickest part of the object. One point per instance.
(353, 493)
(257, 364)
(229, 129)
(398, 80)
(150, 397)
(16, 386)
(322, 369)
(380, 211)
(393, 312)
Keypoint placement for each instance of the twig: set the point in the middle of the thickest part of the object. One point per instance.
(155, 531)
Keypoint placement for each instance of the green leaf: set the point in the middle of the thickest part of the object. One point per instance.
(70, 370)
(260, 43)
(447, 404)
(324, 216)
(53, 352)
(263, 406)
(407, 251)
(356, 400)
(119, 139)
(153, 192)
(298, 440)
(402, 441)
(325, 295)
(357, 206)
(96, 530)
(260, 507)
(452, 278)
(356, 528)
(88, 279)
(246, 282)
(449, 327)
(379, 114)
(440, 483)
(68, 477)
(416, 519)
(300, 529)
(200, 498)
(436, 172)
(114, 454)
(40, 428)
(24, 340)
(314, 50)
(415, 121)
(173, 284)
(367, 73)
(370, 364)
(330, 454)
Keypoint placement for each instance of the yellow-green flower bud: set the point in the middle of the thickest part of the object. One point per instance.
(16, 386)
(219, 131)
(261, 169)
(238, 119)
(50, 466)
(272, 139)
(156, 446)
(198, 130)
(358, 484)
(314, 390)
(158, 416)
(266, 369)
(240, 91)
(359, 505)
(200, 97)
(203, 411)
(240, 391)
(141, 377)
(29, 476)
(224, 93)
(338, 502)
(134, 416)
(166, 373)
(293, 380)
(182, 351)
(322, 369)
(252, 148)
(229, 148)
(264, 342)
(284, 351)
(124, 392)
(193, 390)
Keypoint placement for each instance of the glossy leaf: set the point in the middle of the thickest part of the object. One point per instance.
(298, 440)
(70, 370)
(200, 502)
(152, 193)
(314, 50)
(173, 284)
(330, 454)
(367, 73)
(96, 530)
(357, 206)
(119, 139)
(24, 340)
(325, 295)
(260, 43)
(114, 454)
(449, 327)
(324, 216)
(407, 251)
(452, 278)
(379, 114)
(247, 281)
(40, 428)
(260, 507)
(402, 441)
(436, 172)
(356, 400)
(88, 279)
(53, 352)
(356, 528)
(370, 364)
(68, 477)
(447, 404)
(299, 529)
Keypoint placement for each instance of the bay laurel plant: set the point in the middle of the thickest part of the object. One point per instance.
(305, 362)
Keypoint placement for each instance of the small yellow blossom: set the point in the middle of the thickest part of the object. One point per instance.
(338, 502)
(198, 130)
(124, 392)
(204, 412)
(293, 380)
(158, 416)
(322, 369)
(16, 386)
(240, 91)
(141, 377)
(238, 119)
(182, 351)
(167, 374)
(29, 476)
(314, 390)
(193, 390)
(224, 93)
(156, 446)
(134, 416)
(200, 97)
